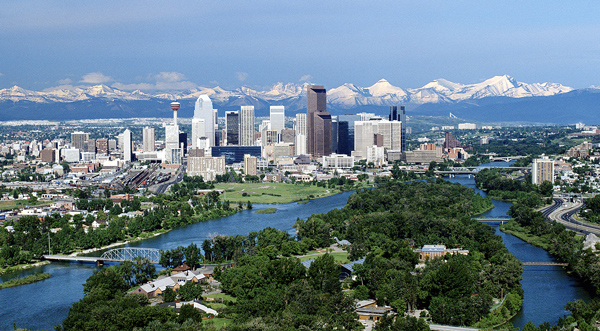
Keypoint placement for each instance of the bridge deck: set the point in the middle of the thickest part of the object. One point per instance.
(546, 263)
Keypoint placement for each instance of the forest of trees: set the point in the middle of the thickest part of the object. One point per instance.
(30, 237)
(383, 224)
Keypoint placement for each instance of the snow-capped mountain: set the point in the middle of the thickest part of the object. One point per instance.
(346, 96)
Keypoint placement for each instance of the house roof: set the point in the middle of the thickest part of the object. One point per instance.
(434, 248)
(197, 306)
(307, 263)
(350, 266)
(161, 284)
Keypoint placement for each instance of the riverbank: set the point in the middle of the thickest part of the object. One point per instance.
(25, 280)
(23, 267)
(276, 193)
(513, 228)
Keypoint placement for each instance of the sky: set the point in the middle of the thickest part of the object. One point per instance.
(155, 45)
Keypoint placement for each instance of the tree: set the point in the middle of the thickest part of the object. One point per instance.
(169, 295)
(324, 274)
(192, 255)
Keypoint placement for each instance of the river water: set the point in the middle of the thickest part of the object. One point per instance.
(46, 303)
(547, 288)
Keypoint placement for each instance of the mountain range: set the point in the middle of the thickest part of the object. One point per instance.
(436, 97)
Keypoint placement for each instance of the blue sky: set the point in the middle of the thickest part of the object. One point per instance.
(159, 45)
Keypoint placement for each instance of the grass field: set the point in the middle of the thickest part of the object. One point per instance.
(225, 297)
(218, 322)
(272, 193)
(339, 257)
(12, 204)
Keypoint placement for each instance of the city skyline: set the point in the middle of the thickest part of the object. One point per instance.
(154, 46)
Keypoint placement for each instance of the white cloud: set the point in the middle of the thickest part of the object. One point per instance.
(1, 74)
(305, 78)
(65, 81)
(169, 77)
(241, 76)
(161, 81)
(95, 78)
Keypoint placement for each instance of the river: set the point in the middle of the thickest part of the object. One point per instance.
(46, 303)
(547, 288)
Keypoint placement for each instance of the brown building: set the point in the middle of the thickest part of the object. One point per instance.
(450, 141)
(102, 146)
(48, 155)
(318, 122)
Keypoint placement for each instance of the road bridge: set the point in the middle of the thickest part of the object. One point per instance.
(546, 263)
(113, 255)
(494, 220)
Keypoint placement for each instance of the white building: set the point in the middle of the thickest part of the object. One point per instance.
(70, 155)
(148, 139)
(467, 126)
(338, 161)
(277, 118)
(542, 170)
(204, 111)
(390, 133)
(376, 154)
(300, 134)
(247, 126)
(127, 145)
(207, 167)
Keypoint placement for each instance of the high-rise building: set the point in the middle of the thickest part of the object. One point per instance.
(318, 121)
(172, 135)
(250, 163)
(382, 133)
(542, 170)
(346, 133)
(148, 139)
(112, 144)
(127, 145)
(90, 146)
(247, 126)
(277, 118)
(450, 141)
(102, 146)
(183, 142)
(232, 127)
(78, 139)
(334, 134)
(204, 111)
(399, 114)
(300, 128)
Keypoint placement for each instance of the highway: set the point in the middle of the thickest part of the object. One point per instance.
(562, 212)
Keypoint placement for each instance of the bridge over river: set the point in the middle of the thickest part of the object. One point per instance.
(113, 255)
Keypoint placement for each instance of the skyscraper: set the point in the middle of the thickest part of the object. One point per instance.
(277, 118)
(232, 127)
(203, 111)
(127, 145)
(102, 146)
(318, 121)
(148, 139)
(542, 170)
(78, 139)
(399, 115)
(172, 134)
(301, 134)
(247, 126)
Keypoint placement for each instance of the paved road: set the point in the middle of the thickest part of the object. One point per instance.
(564, 214)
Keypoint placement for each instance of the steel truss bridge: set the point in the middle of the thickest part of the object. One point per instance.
(113, 255)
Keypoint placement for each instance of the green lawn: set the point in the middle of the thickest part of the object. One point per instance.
(225, 297)
(272, 193)
(218, 322)
(12, 204)
(339, 257)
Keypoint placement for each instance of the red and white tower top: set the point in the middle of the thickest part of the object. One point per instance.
(175, 106)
